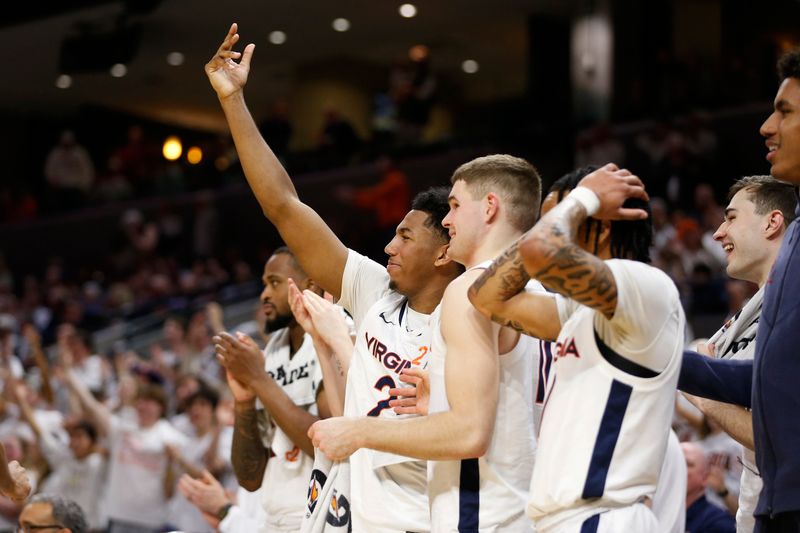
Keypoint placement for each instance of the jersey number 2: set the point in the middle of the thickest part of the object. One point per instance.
(383, 383)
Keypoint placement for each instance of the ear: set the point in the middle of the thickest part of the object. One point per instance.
(442, 259)
(604, 239)
(774, 227)
(491, 207)
(311, 285)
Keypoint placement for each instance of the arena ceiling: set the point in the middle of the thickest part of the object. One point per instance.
(493, 33)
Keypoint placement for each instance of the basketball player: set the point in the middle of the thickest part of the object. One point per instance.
(479, 434)
(390, 306)
(756, 219)
(619, 329)
(270, 446)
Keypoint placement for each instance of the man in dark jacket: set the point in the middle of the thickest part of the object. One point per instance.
(769, 384)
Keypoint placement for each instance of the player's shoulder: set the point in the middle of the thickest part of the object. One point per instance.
(644, 276)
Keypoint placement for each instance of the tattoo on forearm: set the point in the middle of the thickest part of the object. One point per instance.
(248, 455)
(569, 269)
(504, 278)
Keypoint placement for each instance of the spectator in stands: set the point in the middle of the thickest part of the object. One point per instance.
(69, 172)
(700, 514)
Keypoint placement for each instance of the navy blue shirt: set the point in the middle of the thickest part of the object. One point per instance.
(704, 517)
(775, 380)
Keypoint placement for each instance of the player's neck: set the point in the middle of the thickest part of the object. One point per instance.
(492, 245)
(428, 297)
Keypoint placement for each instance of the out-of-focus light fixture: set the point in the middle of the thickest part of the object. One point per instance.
(64, 81)
(470, 66)
(418, 52)
(172, 148)
(341, 24)
(175, 59)
(408, 10)
(118, 70)
(194, 155)
(277, 37)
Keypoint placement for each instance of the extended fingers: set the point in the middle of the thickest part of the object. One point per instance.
(403, 392)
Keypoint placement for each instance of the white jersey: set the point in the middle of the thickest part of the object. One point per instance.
(604, 429)
(389, 492)
(669, 501)
(736, 340)
(488, 493)
(289, 468)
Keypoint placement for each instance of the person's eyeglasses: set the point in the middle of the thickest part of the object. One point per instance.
(29, 528)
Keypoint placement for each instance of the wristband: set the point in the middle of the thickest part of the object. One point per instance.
(223, 511)
(587, 198)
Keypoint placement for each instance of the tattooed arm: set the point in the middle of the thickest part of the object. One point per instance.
(499, 294)
(551, 255)
(248, 454)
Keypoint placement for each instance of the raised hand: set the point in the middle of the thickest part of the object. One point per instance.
(240, 356)
(412, 400)
(298, 306)
(613, 186)
(328, 319)
(228, 77)
(16, 486)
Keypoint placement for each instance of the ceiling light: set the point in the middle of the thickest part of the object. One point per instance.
(194, 155)
(119, 70)
(408, 10)
(172, 148)
(341, 24)
(277, 37)
(470, 66)
(175, 59)
(64, 81)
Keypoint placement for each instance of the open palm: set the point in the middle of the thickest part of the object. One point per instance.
(226, 75)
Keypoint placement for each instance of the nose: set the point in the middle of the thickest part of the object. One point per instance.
(446, 219)
(769, 127)
(265, 293)
(721, 232)
(389, 249)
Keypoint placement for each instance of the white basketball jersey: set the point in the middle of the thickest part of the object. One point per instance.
(604, 430)
(389, 492)
(488, 493)
(288, 467)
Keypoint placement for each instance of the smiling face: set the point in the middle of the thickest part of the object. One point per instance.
(782, 133)
(412, 254)
(464, 222)
(742, 237)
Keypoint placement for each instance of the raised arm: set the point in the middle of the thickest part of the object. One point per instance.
(471, 377)
(551, 255)
(97, 412)
(14, 482)
(499, 293)
(321, 254)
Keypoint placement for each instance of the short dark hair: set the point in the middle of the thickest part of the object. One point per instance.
(768, 194)
(85, 426)
(65, 512)
(285, 250)
(513, 178)
(154, 392)
(789, 65)
(630, 239)
(433, 202)
(206, 393)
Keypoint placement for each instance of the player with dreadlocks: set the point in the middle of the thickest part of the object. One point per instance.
(618, 326)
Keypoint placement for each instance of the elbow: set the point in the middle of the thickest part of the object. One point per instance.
(532, 250)
(475, 443)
